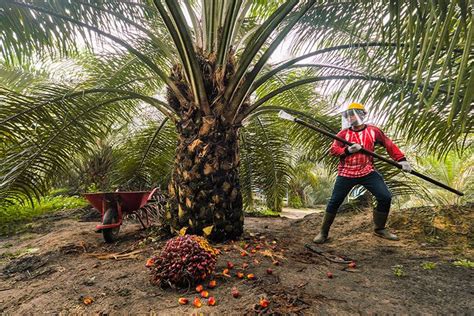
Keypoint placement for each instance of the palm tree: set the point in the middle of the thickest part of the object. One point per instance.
(211, 61)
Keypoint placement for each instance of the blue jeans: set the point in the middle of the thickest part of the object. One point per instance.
(372, 182)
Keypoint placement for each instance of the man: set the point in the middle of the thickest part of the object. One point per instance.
(358, 168)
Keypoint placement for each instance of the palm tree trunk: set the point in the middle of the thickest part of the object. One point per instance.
(204, 189)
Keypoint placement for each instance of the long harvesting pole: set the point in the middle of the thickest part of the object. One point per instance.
(289, 117)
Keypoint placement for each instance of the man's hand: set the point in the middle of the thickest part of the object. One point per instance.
(354, 148)
(405, 166)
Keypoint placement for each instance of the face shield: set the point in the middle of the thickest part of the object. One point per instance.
(353, 117)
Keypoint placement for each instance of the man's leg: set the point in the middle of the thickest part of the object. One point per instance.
(341, 188)
(375, 184)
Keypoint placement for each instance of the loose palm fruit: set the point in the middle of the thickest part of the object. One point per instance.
(264, 302)
(211, 301)
(197, 302)
(235, 292)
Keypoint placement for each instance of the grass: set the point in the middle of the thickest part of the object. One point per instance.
(262, 213)
(398, 270)
(465, 263)
(14, 214)
(428, 265)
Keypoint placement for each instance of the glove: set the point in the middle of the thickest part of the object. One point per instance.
(354, 148)
(405, 166)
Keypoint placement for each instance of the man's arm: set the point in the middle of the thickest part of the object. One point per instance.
(391, 148)
(338, 148)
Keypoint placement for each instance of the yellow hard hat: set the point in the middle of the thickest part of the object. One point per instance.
(356, 106)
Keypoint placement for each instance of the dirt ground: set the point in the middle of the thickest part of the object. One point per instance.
(59, 263)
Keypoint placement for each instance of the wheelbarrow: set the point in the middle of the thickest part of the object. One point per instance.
(113, 206)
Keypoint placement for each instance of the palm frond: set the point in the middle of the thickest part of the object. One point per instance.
(62, 26)
(146, 156)
(265, 164)
(35, 153)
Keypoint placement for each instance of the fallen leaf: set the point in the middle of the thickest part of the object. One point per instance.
(117, 256)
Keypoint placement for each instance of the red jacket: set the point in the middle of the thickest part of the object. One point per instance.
(359, 164)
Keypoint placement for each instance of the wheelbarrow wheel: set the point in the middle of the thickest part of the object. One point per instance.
(110, 234)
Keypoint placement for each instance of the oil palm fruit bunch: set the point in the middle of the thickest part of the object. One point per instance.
(184, 260)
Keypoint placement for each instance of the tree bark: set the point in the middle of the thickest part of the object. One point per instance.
(204, 189)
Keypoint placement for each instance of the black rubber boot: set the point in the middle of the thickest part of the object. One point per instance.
(323, 234)
(380, 219)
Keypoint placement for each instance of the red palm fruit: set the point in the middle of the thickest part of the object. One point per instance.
(264, 302)
(352, 264)
(212, 284)
(240, 275)
(329, 274)
(245, 265)
(230, 265)
(253, 251)
(149, 263)
(243, 254)
(211, 301)
(258, 247)
(269, 271)
(197, 302)
(226, 271)
(199, 288)
(251, 276)
(183, 301)
(235, 292)
(205, 294)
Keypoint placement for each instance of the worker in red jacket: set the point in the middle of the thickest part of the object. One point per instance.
(358, 168)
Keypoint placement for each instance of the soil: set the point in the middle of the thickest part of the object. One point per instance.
(59, 264)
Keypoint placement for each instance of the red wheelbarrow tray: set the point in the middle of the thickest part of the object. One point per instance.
(129, 202)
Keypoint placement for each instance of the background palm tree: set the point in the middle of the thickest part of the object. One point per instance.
(204, 65)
